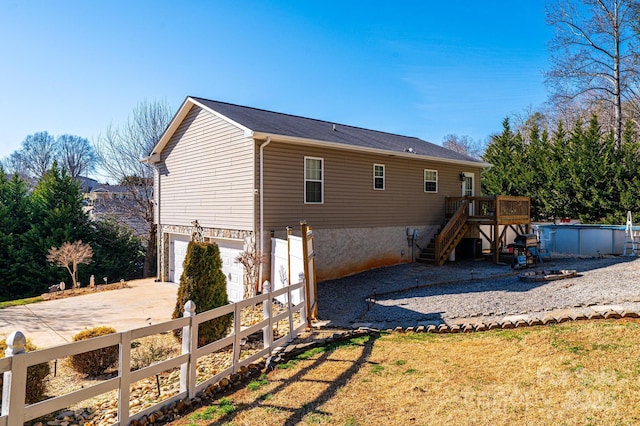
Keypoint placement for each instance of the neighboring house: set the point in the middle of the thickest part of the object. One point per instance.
(115, 202)
(245, 173)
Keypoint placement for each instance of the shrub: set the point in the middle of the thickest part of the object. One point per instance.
(152, 349)
(36, 375)
(203, 282)
(97, 361)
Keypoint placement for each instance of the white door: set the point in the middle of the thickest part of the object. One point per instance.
(467, 189)
(229, 250)
(178, 252)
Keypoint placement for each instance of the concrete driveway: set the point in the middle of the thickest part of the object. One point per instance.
(54, 322)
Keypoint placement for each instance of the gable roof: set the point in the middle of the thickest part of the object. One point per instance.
(261, 124)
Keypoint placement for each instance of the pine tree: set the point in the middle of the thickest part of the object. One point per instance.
(505, 153)
(58, 217)
(15, 220)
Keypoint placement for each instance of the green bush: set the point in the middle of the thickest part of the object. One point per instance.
(37, 375)
(203, 282)
(95, 362)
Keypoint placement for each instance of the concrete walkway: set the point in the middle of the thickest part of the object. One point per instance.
(54, 322)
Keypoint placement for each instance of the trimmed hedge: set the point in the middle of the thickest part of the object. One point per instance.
(98, 361)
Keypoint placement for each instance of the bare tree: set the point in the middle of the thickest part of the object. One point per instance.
(250, 261)
(463, 145)
(38, 153)
(592, 54)
(120, 150)
(69, 256)
(75, 154)
(15, 163)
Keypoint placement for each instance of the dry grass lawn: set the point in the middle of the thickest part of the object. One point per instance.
(584, 373)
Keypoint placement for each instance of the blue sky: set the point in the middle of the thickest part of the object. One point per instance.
(418, 68)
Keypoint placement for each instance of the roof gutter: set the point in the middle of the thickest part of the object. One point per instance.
(262, 147)
(335, 145)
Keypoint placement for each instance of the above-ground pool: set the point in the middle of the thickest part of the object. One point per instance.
(590, 240)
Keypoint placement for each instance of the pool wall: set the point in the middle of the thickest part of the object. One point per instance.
(589, 240)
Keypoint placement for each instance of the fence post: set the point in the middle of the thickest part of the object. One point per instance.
(14, 391)
(267, 331)
(303, 311)
(124, 365)
(189, 345)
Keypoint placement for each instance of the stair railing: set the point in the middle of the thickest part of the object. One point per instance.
(446, 239)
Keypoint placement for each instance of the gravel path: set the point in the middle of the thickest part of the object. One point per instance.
(467, 292)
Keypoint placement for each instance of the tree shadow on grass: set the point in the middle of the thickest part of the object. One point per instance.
(296, 414)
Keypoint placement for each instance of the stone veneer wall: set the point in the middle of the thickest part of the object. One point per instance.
(210, 233)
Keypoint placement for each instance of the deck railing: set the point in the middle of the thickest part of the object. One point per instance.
(14, 412)
(500, 209)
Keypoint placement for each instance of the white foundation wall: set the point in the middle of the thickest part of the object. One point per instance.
(343, 252)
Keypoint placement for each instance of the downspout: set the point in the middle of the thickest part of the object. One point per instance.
(156, 200)
(262, 147)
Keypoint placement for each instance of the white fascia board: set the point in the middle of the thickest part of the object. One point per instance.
(334, 145)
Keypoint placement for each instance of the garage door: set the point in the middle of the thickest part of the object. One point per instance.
(234, 272)
(229, 249)
(179, 245)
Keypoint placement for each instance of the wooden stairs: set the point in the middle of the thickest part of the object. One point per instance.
(447, 238)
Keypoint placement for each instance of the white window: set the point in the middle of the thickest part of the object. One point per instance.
(313, 180)
(378, 176)
(430, 181)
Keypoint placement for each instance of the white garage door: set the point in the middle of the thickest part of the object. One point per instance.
(179, 245)
(229, 249)
(232, 270)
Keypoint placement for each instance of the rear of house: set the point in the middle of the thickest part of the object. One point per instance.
(246, 174)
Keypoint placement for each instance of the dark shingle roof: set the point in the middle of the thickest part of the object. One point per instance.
(259, 120)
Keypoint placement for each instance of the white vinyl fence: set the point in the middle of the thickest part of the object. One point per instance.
(14, 365)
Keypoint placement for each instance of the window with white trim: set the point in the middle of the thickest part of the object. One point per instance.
(430, 180)
(313, 180)
(378, 176)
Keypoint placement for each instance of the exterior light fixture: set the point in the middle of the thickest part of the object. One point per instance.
(462, 176)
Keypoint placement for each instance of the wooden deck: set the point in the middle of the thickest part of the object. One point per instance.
(500, 212)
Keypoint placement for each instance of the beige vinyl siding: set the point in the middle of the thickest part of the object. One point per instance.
(349, 198)
(206, 173)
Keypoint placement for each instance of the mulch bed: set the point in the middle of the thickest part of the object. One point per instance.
(83, 290)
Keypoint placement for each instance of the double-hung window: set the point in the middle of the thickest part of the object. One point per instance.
(378, 176)
(430, 180)
(313, 180)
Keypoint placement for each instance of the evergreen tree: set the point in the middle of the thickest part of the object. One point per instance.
(203, 282)
(538, 172)
(558, 198)
(15, 220)
(628, 179)
(505, 152)
(118, 252)
(58, 217)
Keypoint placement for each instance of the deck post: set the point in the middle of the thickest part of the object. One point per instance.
(496, 243)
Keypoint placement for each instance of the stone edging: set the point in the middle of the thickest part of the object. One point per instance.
(177, 409)
(506, 324)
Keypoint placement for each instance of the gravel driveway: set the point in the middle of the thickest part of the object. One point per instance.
(467, 292)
